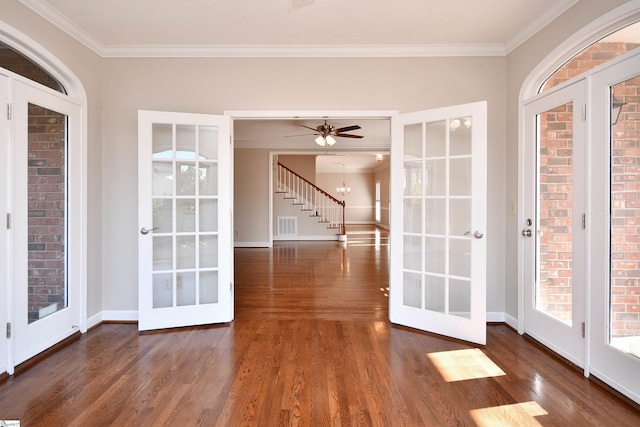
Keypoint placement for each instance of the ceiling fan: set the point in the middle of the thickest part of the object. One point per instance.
(326, 133)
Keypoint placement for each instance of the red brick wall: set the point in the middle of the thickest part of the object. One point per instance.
(46, 209)
(555, 212)
(13, 61)
(588, 59)
(625, 213)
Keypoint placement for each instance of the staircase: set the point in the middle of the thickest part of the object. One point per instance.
(310, 198)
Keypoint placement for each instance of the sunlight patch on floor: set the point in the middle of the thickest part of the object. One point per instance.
(518, 414)
(461, 365)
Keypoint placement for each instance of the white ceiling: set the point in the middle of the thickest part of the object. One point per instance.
(300, 27)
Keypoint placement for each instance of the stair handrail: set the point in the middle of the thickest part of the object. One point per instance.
(341, 203)
(324, 193)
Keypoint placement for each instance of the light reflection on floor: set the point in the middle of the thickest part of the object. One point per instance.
(462, 365)
(517, 414)
(366, 235)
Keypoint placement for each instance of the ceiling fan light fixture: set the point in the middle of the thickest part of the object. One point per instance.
(330, 140)
(320, 140)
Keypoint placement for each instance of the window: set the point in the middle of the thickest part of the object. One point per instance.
(604, 50)
(19, 64)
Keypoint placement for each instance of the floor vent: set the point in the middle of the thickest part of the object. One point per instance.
(287, 226)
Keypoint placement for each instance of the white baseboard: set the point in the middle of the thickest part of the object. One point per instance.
(328, 237)
(113, 316)
(495, 317)
(94, 320)
(251, 245)
(122, 315)
(511, 321)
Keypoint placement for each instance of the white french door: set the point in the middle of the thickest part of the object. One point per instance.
(438, 182)
(46, 219)
(553, 232)
(615, 210)
(4, 210)
(185, 246)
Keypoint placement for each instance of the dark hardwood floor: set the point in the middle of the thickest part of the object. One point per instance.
(311, 346)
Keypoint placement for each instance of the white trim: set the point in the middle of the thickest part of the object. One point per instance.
(119, 315)
(251, 245)
(511, 321)
(112, 316)
(310, 114)
(534, 27)
(52, 15)
(330, 237)
(294, 51)
(496, 317)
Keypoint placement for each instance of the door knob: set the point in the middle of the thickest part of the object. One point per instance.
(145, 230)
(527, 232)
(476, 234)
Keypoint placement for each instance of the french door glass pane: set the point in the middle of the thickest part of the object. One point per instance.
(47, 212)
(624, 278)
(437, 214)
(554, 276)
(185, 215)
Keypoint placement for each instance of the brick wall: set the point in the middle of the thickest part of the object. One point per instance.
(625, 213)
(13, 61)
(46, 209)
(555, 199)
(555, 212)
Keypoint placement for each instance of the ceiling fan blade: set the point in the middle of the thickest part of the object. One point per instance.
(347, 135)
(313, 129)
(347, 128)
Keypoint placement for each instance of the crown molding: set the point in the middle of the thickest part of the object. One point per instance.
(306, 51)
(43, 9)
(538, 24)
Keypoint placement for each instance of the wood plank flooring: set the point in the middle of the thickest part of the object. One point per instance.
(310, 346)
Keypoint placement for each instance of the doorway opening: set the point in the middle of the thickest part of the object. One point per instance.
(307, 273)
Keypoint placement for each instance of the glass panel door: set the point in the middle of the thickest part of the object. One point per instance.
(46, 212)
(553, 232)
(46, 220)
(5, 167)
(184, 278)
(615, 207)
(555, 213)
(624, 226)
(439, 181)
